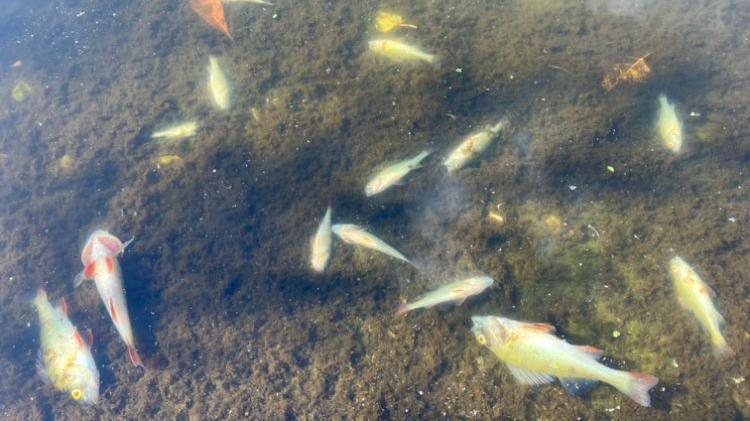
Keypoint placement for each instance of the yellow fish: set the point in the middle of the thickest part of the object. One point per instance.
(65, 358)
(535, 356)
(669, 125)
(177, 131)
(218, 84)
(695, 296)
(473, 145)
(398, 51)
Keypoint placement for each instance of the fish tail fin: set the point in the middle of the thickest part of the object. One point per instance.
(402, 310)
(134, 358)
(436, 61)
(637, 387)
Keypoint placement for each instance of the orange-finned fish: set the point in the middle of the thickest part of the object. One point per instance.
(99, 259)
(695, 296)
(535, 356)
(65, 359)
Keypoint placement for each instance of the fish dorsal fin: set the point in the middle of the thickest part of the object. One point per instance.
(594, 352)
(40, 369)
(578, 387)
(540, 327)
(524, 376)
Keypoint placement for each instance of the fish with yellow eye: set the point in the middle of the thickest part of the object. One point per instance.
(65, 359)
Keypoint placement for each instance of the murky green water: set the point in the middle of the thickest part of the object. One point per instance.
(574, 211)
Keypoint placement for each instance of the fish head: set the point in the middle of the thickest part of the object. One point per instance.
(83, 383)
(490, 331)
(377, 44)
(101, 243)
(480, 283)
(373, 187)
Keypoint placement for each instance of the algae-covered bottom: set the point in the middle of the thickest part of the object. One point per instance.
(575, 211)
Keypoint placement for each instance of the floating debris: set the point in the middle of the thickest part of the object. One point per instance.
(611, 169)
(17, 64)
(386, 22)
(634, 73)
(66, 164)
(21, 91)
(212, 12)
(496, 217)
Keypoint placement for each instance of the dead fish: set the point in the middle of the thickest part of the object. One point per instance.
(320, 244)
(393, 174)
(356, 235)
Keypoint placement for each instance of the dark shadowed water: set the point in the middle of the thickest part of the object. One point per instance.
(574, 211)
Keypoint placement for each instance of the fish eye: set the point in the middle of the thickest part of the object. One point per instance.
(76, 394)
(481, 339)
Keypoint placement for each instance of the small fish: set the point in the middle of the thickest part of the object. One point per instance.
(535, 356)
(218, 84)
(65, 358)
(177, 131)
(455, 292)
(398, 51)
(99, 258)
(170, 160)
(354, 234)
(320, 244)
(263, 2)
(393, 174)
(472, 146)
(669, 125)
(695, 296)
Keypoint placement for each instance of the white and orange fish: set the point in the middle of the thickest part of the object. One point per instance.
(535, 356)
(65, 359)
(695, 296)
(100, 263)
(454, 292)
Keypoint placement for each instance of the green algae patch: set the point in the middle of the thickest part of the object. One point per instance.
(21, 91)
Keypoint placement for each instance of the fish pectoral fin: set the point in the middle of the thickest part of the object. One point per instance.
(40, 370)
(88, 337)
(63, 306)
(79, 278)
(125, 245)
(79, 339)
(525, 376)
(113, 311)
(708, 291)
(578, 387)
